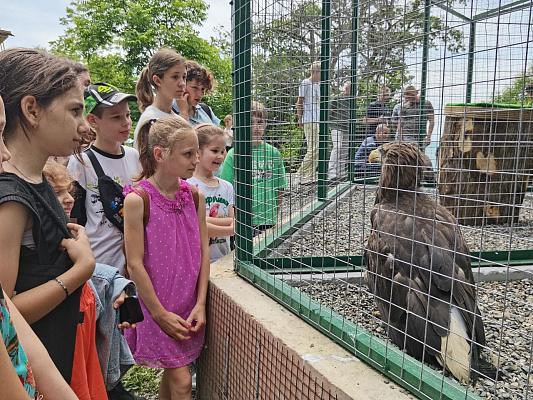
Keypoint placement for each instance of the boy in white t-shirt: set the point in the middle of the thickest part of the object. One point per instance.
(108, 114)
(219, 194)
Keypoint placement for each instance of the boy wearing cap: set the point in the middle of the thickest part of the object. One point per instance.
(107, 112)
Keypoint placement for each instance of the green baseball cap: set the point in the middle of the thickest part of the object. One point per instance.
(105, 95)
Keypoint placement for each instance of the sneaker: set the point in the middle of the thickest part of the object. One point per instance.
(119, 392)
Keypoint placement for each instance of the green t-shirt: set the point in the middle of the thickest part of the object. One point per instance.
(268, 176)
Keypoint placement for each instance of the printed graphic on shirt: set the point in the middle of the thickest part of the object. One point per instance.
(218, 203)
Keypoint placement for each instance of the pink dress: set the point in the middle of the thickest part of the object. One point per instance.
(172, 258)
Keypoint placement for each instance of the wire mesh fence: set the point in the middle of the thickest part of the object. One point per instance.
(383, 171)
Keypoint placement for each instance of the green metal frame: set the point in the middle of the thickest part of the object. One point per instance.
(252, 261)
(242, 100)
(352, 130)
(418, 378)
(323, 137)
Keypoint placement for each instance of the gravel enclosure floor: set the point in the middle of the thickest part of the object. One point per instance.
(343, 227)
(507, 310)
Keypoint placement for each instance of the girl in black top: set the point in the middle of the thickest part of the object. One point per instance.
(44, 260)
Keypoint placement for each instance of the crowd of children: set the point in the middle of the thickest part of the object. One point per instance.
(81, 241)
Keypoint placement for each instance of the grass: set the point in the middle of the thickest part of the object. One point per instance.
(143, 381)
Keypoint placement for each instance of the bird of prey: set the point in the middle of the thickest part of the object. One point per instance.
(418, 268)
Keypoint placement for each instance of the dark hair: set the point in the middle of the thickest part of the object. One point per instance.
(206, 132)
(32, 72)
(161, 62)
(163, 132)
(201, 74)
(79, 68)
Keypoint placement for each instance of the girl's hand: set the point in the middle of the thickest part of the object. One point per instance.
(173, 325)
(79, 248)
(197, 318)
(183, 105)
(116, 305)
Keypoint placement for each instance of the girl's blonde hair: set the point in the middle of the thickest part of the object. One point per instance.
(163, 132)
(206, 133)
(57, 174)
(161, 62)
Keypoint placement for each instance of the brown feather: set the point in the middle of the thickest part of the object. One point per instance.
(418, 264)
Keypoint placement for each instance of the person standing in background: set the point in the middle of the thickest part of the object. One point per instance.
(378, 112)
(308, 110)
(339, 123)
(415, 120)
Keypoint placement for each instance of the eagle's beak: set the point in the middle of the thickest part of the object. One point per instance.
(374, 156)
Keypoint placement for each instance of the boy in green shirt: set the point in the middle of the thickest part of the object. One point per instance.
(268, 173)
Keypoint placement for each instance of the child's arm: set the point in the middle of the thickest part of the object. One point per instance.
(9, 380)
(225, 226)
(48, 380)
(198, 312)
(35, 303)
(172, 324)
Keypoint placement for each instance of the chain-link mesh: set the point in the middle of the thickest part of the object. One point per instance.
(421, 266)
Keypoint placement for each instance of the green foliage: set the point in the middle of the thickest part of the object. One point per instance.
(514, 94)
(142, 380)
(116, 38)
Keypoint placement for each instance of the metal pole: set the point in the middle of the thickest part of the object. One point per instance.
(425, 56)
(324, 100)
(352, 132)
(470, 68)
(242, 89)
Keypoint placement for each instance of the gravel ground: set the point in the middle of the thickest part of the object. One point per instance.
(507, 310)
(344, 226)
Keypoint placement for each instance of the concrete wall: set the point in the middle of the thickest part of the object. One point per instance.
(256, 349)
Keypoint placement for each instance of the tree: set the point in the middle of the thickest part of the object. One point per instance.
(515, 94)
(388, 30)
(116, 38)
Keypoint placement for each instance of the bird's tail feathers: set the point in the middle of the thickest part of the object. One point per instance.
(455, 348)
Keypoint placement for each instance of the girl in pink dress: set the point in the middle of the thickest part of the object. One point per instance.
(168, 256)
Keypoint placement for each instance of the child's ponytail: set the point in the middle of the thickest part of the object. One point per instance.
(146, 156)
(143, 90)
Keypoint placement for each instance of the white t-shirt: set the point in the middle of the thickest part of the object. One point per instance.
(310, 91)
(218, 201)
(150, 112)
(106, 240)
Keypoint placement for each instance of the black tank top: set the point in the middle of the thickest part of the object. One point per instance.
(57, 329)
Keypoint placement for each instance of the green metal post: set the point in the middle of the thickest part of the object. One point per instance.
(425, 56)
(324, 101)
(242, 80)
(470, 68)
(352, 132)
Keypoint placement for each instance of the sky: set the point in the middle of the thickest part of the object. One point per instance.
(36, 22)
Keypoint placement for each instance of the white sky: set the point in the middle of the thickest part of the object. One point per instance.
(36, 22)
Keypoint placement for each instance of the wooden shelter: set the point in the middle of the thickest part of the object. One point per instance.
(485, 162)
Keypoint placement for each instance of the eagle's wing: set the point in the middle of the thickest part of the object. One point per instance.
(418, 261)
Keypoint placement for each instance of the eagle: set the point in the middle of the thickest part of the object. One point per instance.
(418, 269)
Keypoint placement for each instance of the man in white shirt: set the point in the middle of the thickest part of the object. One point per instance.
(308, 110)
